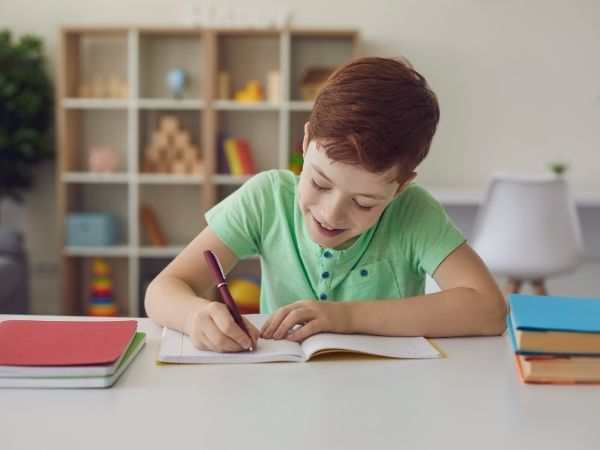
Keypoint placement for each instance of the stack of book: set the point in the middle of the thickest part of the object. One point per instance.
(66, 354)
(235, 156)
(556, 339)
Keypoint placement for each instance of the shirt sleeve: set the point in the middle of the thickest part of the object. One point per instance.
(427, 234)
(238, 219)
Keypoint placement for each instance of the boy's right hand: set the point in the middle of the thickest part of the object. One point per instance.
(213, 328)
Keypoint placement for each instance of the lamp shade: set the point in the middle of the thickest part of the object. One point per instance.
(527, 227)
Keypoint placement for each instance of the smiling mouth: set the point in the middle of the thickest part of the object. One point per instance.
(327, 231)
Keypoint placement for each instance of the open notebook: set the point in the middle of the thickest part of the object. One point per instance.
(176, 347)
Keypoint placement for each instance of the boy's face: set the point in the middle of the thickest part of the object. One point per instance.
(340, 201)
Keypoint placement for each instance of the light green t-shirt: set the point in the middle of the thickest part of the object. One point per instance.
(389, 260)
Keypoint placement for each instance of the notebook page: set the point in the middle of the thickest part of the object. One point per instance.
(176, 347)
(390, 346)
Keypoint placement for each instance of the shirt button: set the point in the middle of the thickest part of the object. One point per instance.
(325, 274)
(323, 297)
(364, 273)
(327, 254)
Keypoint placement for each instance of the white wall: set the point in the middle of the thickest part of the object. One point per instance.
(518, 80)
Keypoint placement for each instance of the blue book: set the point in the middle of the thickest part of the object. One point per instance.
(555, 325)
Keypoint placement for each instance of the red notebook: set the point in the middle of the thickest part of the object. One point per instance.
(63, 343)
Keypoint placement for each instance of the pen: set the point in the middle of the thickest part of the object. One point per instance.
(215, 268)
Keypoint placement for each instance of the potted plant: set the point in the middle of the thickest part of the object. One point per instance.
(26, 113)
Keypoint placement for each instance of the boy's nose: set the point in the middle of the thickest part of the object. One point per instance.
(332, 214)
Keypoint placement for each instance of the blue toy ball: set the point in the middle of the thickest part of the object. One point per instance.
(176, 80)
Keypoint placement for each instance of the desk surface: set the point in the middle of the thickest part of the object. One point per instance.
(473, 399)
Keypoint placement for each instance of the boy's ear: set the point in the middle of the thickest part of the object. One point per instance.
(406, 183)
(305, 139)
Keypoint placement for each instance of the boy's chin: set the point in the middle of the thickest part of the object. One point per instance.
(338, 242)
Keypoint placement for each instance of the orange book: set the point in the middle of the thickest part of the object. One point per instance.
(246, 158)
(155, 232)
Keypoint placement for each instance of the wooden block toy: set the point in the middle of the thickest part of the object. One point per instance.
(190, 154)
(97, 88)
(178, 167)
(114, 87)
(160, 139)
(224, 85)
(197, 167)
(171, 154)
(83, 90)
(124, 91)
(274, 86)
(182, 138)
(169, 123)
(152, 154)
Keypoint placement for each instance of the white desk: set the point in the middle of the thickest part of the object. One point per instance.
(470, 400)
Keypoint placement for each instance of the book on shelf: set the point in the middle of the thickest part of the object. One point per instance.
(246, 158)
(555, 339)
(66, 354)
(176, 347)
(237, 157)
(233, 158)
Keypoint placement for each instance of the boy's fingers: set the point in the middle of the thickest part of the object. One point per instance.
(252, 331)
(303, 332)
(295, 317)
(274, 321)
(231, 330)
(219, 341)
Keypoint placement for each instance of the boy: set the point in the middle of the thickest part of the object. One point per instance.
(345, 246)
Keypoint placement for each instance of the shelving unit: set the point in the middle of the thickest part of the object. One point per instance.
(141, 57)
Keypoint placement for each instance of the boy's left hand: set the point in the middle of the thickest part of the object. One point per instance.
(313, 316)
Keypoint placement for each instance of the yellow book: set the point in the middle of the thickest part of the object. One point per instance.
(233, 157)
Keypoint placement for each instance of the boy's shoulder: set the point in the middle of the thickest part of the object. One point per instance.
(274, 178)
(417, 196)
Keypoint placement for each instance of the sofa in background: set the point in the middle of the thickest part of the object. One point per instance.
(14, 279)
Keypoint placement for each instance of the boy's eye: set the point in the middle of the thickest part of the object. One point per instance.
(363, 208)
(316, 186)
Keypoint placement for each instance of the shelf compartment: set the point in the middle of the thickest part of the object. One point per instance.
(247, 56)
(178, 211)
(318, 50)
(98, 60)
(87, 129)
(110, 198)
(160, 52)
(162, 157)
(260, 129)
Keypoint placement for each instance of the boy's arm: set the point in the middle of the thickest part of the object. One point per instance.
(175, 298)
(470, 303)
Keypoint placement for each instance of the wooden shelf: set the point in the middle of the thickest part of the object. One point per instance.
(140, 57)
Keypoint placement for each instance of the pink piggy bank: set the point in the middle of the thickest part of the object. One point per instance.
(103, 158)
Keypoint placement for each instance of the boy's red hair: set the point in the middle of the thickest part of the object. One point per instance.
(378, 113)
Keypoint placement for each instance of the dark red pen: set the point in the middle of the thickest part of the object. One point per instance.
(216, 269)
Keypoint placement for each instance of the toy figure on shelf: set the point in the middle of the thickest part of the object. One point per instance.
(252, 92)
(103, 158)
(102, 300)
(176, 81)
